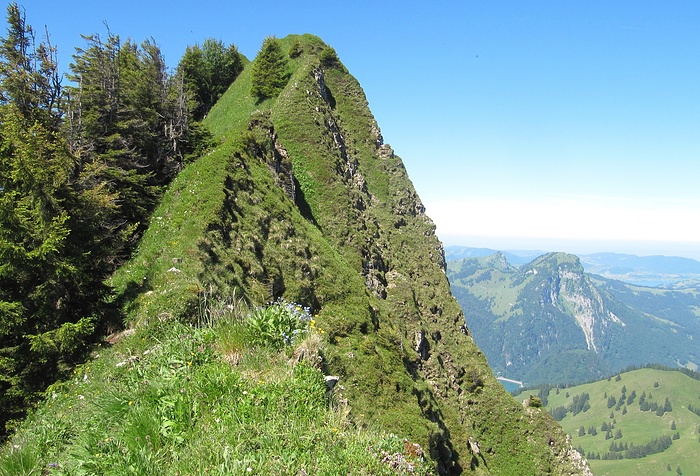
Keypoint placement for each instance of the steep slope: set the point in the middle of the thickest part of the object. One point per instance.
(550, 322)
(304, 200)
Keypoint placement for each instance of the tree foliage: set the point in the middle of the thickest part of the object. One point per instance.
(81, 168)
(270, 74)
(207, 71)
(50, 281)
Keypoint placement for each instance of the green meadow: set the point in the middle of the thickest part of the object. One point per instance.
(627, 425)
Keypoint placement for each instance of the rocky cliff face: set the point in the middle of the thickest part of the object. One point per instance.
(318, 209)
(564, 285)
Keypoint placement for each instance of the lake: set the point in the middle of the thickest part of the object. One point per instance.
(509, 385)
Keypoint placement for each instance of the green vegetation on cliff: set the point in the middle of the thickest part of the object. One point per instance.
(300, 200)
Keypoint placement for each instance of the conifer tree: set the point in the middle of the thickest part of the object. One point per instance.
(207, 72)
(47, 311)
(129, 126)
(269, 70)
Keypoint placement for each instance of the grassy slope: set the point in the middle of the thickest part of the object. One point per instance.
(637, 426)
(166, 401)
(224, 225)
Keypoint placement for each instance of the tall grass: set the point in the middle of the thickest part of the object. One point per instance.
(170, 400)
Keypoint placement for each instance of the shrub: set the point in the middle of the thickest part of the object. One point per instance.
(329, 57)
(278, 324)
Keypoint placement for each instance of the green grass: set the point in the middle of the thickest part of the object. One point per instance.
(207, 401)
(163, 276)
(171, 399)
(637, 427)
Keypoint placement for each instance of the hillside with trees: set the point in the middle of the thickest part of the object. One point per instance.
(637, 422)
(548, 321)
(258, 292)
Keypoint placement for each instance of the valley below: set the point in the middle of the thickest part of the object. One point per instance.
(549, 321)
(606, 343)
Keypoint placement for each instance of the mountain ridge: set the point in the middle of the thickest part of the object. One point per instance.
(551, 322)
(302, 201)
(653, 270)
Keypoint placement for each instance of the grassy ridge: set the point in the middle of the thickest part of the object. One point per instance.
(355, 246)
(638, 427)
(175, 399)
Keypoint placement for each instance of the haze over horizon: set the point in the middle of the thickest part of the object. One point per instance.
(572, 123)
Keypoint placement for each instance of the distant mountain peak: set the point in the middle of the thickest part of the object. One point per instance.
(499, 261)
(551, 321)
(557, 259)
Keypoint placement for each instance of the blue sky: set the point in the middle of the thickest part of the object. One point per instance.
(555, 125)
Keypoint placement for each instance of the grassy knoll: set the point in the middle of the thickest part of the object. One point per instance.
(636, 426)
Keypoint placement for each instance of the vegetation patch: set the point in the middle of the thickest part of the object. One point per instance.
(166, 400)
(619, 433)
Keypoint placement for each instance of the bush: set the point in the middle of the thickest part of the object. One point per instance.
(329, 57)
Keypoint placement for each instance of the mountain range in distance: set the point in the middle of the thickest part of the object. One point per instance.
(654, 271)
(550, 321)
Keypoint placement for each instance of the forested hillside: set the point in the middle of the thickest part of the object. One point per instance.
(82, 168)
(176, 233)
(550, 322)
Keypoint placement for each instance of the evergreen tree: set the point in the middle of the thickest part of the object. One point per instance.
(667, 405)
(269, 70)
(129, 124)
(207, 71)
(101, 128)
(50, 286)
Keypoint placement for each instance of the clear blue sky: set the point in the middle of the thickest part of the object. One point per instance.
(557, 125)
